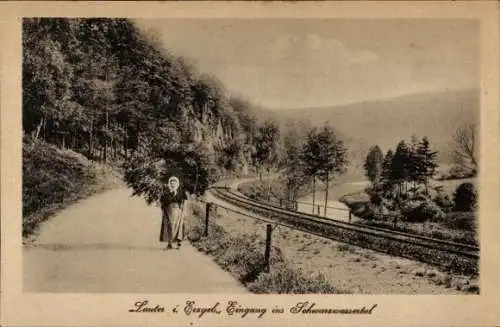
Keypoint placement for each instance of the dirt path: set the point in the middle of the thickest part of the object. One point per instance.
(109, 243)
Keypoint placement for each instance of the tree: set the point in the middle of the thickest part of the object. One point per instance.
(414, 161)
(46, 84)
(332, 157)
(232, 155)
(400, 165)
(464, 147)
(324, 156)
(295, 171)
(308, 155)
(387, 174)
(425, 162)
(106, 89)
(465, 197)
(373, 164)
(267, 151)
(295, 134)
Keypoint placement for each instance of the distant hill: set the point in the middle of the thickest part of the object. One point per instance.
(435, 115)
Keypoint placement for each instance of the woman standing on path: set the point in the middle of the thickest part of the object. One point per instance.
(172, 206)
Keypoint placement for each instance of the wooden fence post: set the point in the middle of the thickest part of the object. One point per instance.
(267, 253)
(207, 215)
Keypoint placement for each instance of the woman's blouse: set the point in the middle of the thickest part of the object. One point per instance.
(171, 197)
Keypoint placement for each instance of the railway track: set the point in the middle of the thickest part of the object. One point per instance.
(451, 255)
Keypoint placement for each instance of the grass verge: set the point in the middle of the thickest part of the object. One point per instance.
(54, 179)
(243, 257)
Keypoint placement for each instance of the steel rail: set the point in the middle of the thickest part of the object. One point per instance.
(463, 250)
(375, 228)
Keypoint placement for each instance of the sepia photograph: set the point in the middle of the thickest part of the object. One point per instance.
(268, 156)
(231, 164)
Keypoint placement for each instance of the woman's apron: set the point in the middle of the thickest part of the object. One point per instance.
(172, 224)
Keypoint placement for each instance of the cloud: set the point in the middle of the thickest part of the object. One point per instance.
(315, 48)
(298, 69)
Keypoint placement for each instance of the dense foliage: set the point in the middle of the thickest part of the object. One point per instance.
(373, 164)
(400, 179)
(106, 89)
(403, 191)
(465, 197)
(412, 164)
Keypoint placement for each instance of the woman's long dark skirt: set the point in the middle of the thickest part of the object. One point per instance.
(172, 224)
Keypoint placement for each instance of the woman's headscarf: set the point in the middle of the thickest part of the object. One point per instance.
(173, 179)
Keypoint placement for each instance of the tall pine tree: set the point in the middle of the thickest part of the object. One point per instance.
(387, 167)
(413, 161)
(373, 164)
(400, 165)
(427, 162)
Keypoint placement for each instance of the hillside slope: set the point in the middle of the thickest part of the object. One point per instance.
(435, 115)
(54, 178)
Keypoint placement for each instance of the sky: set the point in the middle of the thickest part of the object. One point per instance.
(300, 63)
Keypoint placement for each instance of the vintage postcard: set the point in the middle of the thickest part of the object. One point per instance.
(250, 163)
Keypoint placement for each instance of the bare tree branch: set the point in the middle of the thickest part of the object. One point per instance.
(464, 147)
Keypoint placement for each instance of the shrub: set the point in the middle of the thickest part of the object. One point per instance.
(362, 210)
(245, 258)
(409, 210)
(465, 197)
(282, 279)
(431, 211)
(376, 198)
(419, 193)
(444, 202)
(389, 204)
(416, 211)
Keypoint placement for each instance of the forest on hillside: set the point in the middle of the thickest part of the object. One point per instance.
(107, 90)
